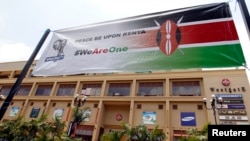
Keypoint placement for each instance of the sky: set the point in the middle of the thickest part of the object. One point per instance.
(23, 23)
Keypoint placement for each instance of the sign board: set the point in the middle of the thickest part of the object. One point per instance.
(229, 96)
(232, 101)
(233, 117)
(148, 117)
(231, 106)
(232, 112)
(234, 123)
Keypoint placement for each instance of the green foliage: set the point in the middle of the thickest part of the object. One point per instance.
(194, 134)
(157, 135)
(39, 129)
(80, 114)
(113, 136)
(139, 133)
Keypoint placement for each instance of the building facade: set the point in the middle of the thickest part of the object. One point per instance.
(171, 99)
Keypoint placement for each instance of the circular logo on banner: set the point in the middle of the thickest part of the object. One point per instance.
(225, 82)
(118, 117)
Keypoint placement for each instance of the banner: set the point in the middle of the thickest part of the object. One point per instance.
(195, 37)
(149, 117)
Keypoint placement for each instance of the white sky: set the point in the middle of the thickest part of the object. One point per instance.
(23, 22)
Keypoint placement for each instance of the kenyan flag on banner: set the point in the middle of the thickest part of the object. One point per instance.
(203, 37)
(209, 43)
(194, 37)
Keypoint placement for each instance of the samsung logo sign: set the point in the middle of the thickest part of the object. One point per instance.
(188, 119)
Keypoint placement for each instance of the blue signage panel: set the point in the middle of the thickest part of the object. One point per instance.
(236, 106)
(188, 119)
(229, 95)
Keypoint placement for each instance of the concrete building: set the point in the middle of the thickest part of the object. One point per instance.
(171, 99)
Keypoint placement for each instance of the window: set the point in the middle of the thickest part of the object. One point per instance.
(66, 90)
(5, 90)
(5, 74)
(160, 106)
(24, 90)
(92, 89)
(43, 90)
(174, 107)
(199, 107)
(17, 74)
(119, 89)
(179, 134)
(150, 89)
(95, 105)
(186, 88)
(138, 106)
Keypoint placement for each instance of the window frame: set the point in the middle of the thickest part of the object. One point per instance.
(68, 89)
(5, 89)
(39, 86)
(91, 88)
(24, 88)
(153, 83)
(123, 85)
(184, 87)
